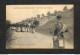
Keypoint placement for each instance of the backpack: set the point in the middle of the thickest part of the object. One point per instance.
(63, 28)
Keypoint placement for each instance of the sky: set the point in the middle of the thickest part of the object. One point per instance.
(17, 13)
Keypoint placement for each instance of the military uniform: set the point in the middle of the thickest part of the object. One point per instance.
(58, 28)
(58, 34)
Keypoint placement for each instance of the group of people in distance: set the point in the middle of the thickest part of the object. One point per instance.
(23, 28)
(30, 27)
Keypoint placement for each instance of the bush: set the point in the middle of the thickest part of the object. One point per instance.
(36, 23)
(8, 33)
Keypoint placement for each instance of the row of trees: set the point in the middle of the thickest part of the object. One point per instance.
(52, 14)
(42, 15)
(36, 23)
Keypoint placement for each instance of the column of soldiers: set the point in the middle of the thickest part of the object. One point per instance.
(23, 27)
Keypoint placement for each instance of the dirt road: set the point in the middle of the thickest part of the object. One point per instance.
(26, 40)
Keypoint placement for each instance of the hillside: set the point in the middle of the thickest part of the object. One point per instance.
(45, 29)
(67, 18)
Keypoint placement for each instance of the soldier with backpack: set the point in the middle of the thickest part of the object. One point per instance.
(59, 29)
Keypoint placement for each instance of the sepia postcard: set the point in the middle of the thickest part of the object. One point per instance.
(40, 26)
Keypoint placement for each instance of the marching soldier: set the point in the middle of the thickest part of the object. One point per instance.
(27, 27)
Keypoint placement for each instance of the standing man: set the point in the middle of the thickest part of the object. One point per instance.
(21, 25)
(27, 27)
(59, 29)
